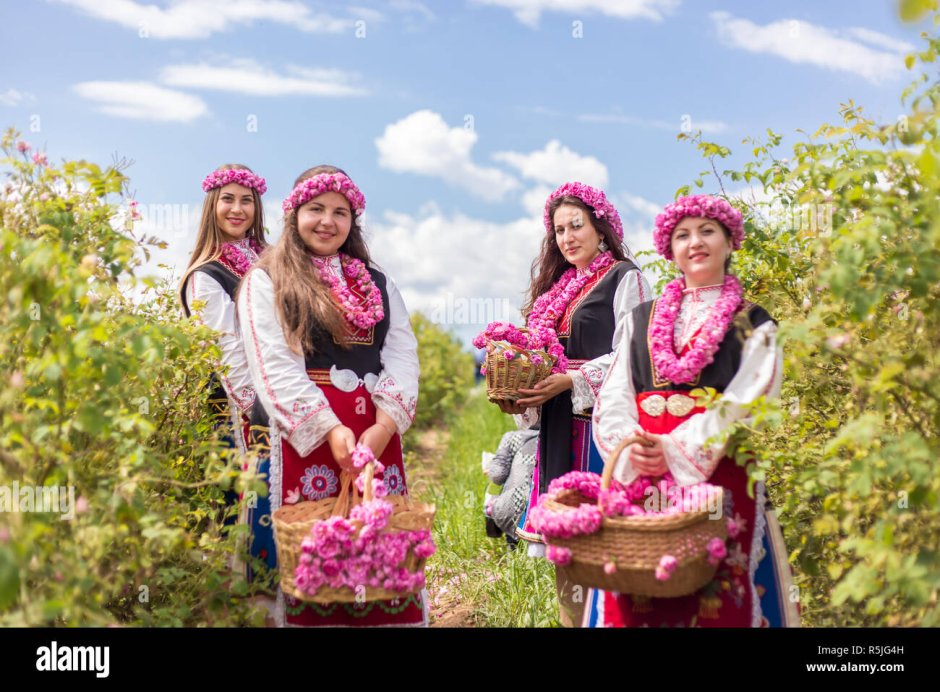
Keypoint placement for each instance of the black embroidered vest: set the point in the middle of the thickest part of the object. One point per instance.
(718, 374)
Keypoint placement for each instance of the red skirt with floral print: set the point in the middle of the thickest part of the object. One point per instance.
(316, 477)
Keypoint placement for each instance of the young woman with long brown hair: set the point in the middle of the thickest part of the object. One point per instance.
(229, 241)
(585, 283)
(335, 363)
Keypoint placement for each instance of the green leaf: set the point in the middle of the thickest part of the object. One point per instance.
(9, 578)
(914, 10)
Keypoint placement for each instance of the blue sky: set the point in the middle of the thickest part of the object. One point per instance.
(455, 118)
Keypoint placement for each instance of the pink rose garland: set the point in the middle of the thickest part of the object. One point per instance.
(701, 206)
(322, 183)
(362, 315)
(237, 259)
(241, 176)
(662, 331)
(594, 198)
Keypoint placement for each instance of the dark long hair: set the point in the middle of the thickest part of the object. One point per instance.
(304, 303)
(548, 267)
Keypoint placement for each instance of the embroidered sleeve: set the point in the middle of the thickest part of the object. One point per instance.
(615, 414)
(586, 381)
(689, 458)
(292, 401)
(219, 313)
(396, 391)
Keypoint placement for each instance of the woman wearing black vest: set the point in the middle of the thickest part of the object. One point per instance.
(585, 283)
(700, 333)
(335, 363)
(230, 238)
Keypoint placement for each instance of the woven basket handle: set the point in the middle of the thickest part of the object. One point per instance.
(348, 495)
(612, 459)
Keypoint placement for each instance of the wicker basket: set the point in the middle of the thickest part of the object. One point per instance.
(292, 524)
(636, 544)
(504, 378)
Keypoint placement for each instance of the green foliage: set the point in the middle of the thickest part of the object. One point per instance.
(104, 395)
(851, 269)
(446, 373)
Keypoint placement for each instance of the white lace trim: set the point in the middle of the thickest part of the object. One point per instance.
(696, 305)
(311, 432)
(582, 395)
(389, 397)
(280, 609)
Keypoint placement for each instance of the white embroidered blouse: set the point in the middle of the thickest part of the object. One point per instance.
(296, 404)
(689, 459)
(219, 314)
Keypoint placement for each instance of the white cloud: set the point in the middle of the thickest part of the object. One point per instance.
(194, 19)
(530, 11)
(533, 200)
(412, 6)
(14, 97)
(706, 126)
(556, 164)
(638, 205)
(142, 100)
(421, 252)
(248, 77)
(876, 38)
(802, 42)
(637, 214)
(423, 143)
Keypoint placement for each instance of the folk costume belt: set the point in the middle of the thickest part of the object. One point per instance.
(679, 405)
(343, 380)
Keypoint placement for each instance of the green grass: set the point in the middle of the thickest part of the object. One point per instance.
(474, 580)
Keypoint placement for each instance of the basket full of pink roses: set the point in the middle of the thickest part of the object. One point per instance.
(362, 545)
(610, 536)
(518, 358)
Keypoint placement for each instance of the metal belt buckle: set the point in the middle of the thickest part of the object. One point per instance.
(679, 405)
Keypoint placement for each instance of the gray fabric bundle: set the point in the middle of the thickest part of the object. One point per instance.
(512, 467)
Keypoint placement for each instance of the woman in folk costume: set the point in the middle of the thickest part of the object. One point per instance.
(700, 333)
(586, 282)
(335, 363)
(230, 239)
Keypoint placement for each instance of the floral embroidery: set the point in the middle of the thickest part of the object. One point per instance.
(594, 377)
(737, 557)
(394, 482)
(388, 388)
(319, 482)
(302, 408)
